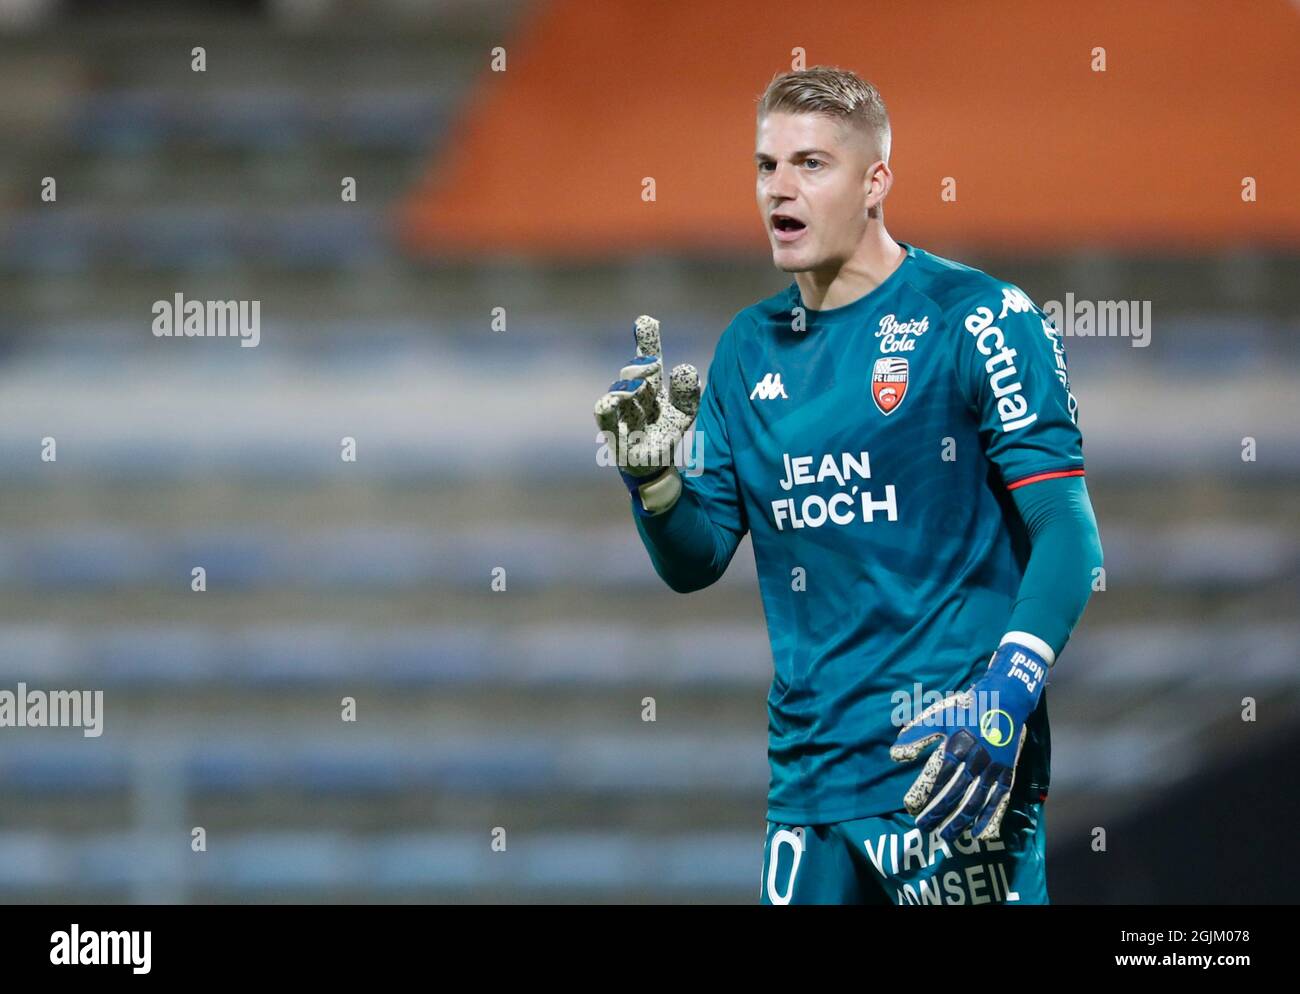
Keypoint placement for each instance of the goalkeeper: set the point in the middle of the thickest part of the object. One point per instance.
(897, 434)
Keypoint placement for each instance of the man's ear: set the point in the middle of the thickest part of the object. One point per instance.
(876, 185)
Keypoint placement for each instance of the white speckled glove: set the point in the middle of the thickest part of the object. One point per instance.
(643, 421)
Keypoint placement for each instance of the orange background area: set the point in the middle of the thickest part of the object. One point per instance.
(549, 156)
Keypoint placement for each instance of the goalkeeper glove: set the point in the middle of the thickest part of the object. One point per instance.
(643, 421)
(967, 780)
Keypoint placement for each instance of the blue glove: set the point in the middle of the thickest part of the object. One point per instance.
(967, 781)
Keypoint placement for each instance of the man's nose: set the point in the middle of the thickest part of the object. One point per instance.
(780, 185)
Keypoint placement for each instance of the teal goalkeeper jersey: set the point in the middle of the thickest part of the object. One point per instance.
(870, 450)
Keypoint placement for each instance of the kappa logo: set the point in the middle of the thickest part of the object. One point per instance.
(769, 388)
(889, 383)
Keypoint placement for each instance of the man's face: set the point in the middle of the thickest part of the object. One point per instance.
(811, 188)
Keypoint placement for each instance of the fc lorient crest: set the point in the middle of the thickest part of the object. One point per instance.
(889, 383)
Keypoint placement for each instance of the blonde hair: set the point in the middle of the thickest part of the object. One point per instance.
(837, 93)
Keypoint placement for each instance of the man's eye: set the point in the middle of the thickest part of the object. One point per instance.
(807, 162)
(763, 166)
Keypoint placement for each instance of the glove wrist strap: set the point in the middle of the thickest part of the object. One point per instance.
(1032, 642)
(653, 495)
(661, 493)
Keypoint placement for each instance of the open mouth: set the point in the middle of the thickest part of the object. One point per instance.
(787, 228)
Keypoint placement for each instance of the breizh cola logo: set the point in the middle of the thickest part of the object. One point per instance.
(897, 336)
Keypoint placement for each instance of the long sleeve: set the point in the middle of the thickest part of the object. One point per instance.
(1065, 551)
(1011, 366)
(688, 550)
(692, 542)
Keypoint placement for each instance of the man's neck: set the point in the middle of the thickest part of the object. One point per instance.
(874, 262)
